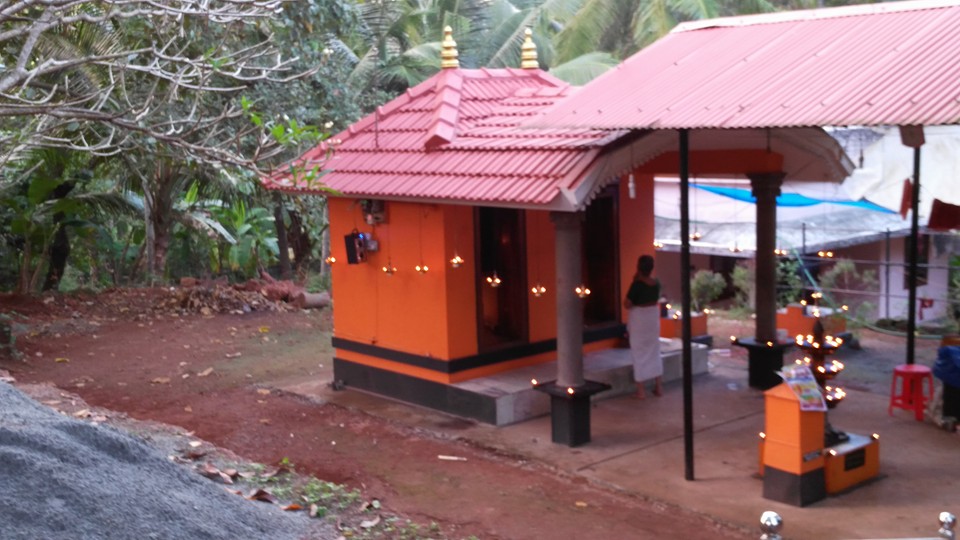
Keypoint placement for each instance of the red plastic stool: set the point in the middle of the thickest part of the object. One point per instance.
(910, 394)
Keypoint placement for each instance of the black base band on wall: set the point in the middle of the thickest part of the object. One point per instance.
(477, 360)
(439, 396)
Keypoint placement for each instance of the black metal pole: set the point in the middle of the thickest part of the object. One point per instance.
(685, 308)
(886, 278)
(803, 239)
(914, 252)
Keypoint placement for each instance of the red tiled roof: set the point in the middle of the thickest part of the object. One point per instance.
(895, 63)
(454, 137)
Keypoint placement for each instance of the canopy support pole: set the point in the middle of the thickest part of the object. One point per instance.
(686, 329)
(912, 136)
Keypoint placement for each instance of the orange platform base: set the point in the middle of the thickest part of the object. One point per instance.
(794, 320)
(852, 463)
(673, 328)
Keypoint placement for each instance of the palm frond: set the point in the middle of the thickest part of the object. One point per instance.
(653, 20)
(200, 221)
(101, 205)
(506, 39)
(745, 7)
(364, 72)
(412, 67)
(542, 18)
(580, 35)
(584, 68)
(696, 9)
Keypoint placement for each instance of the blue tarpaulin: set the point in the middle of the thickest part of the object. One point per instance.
(791, 199)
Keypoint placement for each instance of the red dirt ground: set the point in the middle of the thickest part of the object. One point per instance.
(116, 351)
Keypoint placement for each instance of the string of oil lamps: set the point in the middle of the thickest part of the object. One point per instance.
(494, 280)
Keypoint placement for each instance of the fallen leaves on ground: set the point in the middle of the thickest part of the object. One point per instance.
(260, 494)
(274, 472)
(214, 298)
(211, 471)
(366, 524)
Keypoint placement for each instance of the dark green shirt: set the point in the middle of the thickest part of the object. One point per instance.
(641, 294)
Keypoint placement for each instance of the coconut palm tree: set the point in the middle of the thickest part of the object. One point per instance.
(623, 27)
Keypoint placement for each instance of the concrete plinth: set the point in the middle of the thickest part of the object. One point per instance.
(510, 398)
(570, 411)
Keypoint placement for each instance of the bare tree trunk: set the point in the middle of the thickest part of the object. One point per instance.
(60, 249)
(157, 209)
(160, 248)
(150, 239)
(137, 263)
(24, 286)
(325, 252)
(44, 259)
(59, 253)
(118, 264)
(282, 244)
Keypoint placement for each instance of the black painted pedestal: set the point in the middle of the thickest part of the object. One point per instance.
(764, 360)
(570, 412)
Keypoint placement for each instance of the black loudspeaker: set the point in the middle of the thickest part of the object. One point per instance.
(356, 247)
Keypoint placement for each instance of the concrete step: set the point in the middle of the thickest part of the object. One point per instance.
(514, 399)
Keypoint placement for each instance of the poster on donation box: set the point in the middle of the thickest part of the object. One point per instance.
(800, 379)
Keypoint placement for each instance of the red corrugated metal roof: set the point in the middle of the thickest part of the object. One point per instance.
(454, 137)
(894, 63)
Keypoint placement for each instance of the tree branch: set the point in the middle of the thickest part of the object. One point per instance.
(162, 88)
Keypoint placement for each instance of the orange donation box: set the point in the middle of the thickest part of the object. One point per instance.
(797, 467)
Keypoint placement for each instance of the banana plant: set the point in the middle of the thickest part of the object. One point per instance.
(46, 199)
(254, 239)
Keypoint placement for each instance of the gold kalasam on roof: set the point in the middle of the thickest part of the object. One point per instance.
(528, 55)
(448, 54)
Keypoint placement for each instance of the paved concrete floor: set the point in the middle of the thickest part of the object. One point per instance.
(638, 447)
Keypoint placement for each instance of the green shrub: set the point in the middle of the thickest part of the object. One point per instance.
(742, 277)
(705, 287)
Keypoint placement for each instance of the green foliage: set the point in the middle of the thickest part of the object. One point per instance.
(584, 68)
(252, 243)
(743, 278)
(789, 282)
(328, 494)
(317, 282)
(53, 197)
(845, 284)
(8, 340)
(953, 290)
(705, 287)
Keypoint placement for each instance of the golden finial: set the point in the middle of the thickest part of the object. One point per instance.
(528, 56)
(448, 56)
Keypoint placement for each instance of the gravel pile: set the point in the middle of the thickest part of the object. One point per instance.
(61, 478)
